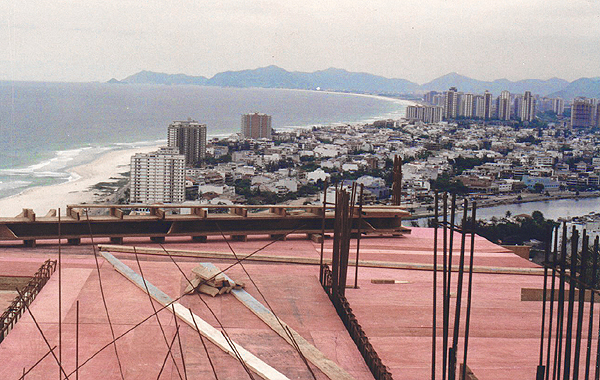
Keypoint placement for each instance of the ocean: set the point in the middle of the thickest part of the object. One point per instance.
(47, 128)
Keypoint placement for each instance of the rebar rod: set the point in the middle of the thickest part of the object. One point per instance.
(59, 296)
(323, 231)
(77, 340)
(571, 305)
(444, 280)
(459, 286)
(561, 305)
(434, 319)
(580, 304)
(359, 232)
(592, 284)
(552, 295)
(545, 288)
(469, 290)
(449, 277)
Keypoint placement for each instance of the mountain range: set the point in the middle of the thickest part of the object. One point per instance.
(341, 80)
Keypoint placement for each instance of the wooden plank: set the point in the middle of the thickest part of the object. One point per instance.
(538, 271)
(116, 212)
(536, 294)
(387, 281)
(327, 366)
(255, 364)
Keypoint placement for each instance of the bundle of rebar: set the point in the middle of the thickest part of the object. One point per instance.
(449, 228)
(562, 337)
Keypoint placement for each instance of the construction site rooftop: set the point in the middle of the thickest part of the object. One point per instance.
(392, 302)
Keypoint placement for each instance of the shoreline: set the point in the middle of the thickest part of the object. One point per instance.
(91, 182)
(107, 167)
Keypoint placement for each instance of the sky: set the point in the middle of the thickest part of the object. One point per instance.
(418, 40)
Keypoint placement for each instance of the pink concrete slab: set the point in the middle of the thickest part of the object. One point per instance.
(293, 292)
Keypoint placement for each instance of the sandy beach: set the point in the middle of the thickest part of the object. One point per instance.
(43, 198)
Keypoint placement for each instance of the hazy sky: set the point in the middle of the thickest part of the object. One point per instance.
(419, 40)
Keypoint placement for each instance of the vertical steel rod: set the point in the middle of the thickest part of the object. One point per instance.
(449, 279)
(571, 304)
(469, 290)
(59, 297)
(561, 305)
(335, 259)
(359, 232)
(580, 304)
(434, 320)
(444, 279)
(323, 231)
(552, 295)
(592, 285)
(597, 366)
(77, 340)
(545, 288)
(459, 286)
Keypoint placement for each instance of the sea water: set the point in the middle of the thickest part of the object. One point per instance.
(47, 128)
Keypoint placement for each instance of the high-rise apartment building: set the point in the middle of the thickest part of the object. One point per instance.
(429, 97)
(256, 126)
(478, 106)
(158, 177)
(503, 106)
(558, 106)
(487, 105)
(466, 106)
(518, 106)
(451, 103)
(426, 114)
(583, 113)
(527, 107)
(189, 137)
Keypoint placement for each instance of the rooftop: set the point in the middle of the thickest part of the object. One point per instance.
(396, 315)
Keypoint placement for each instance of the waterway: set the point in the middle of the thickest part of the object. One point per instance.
(552, 209)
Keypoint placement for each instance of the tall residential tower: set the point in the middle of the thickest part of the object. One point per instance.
(190, 138)
(256, 126)
(158, 177)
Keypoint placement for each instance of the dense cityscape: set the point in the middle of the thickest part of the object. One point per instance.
(510, 149)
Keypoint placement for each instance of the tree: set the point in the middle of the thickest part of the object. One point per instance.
(537, 216)
(538, 187)
(508, 214)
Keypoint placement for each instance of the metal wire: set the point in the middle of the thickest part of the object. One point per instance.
(112, 330)
(162, 330)
(290, 336)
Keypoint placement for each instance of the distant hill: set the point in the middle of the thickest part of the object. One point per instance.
(341, 80)
(268, 77)
(588, 87)
(466, 84)
(276, 77)
(149, 77)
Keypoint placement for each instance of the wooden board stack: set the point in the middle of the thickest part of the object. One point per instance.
(211, 281)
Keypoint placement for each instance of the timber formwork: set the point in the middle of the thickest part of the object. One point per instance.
(160, 221)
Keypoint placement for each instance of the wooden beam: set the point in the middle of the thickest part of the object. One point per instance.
(327, 366)
(536, 294)
(200, 212)
(116, 212)
(312, 260)
(238, 211)
(258, 366)
(28, 214)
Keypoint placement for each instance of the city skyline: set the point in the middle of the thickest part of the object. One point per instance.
(417, 41)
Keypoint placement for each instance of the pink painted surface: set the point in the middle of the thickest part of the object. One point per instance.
(504, 340)
(292, 291)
